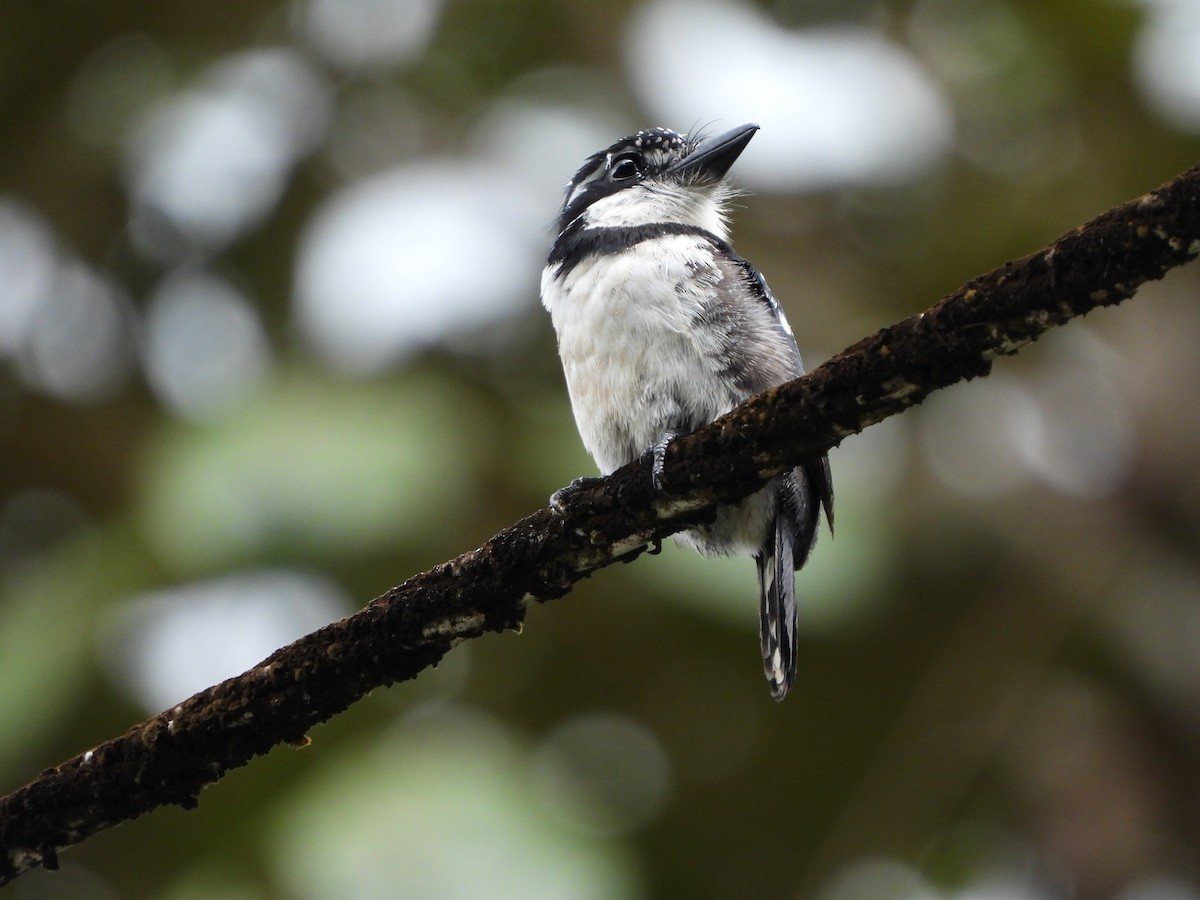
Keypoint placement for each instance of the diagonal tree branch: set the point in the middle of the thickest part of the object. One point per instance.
(170, 757)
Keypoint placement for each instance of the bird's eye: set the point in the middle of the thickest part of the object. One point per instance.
(625, 167)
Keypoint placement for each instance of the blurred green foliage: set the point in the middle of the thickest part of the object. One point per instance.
(998, 686)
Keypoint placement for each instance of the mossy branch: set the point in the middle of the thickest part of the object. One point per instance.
(170, 757)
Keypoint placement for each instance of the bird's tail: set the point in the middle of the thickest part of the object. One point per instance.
(803, 493)
(777, 602)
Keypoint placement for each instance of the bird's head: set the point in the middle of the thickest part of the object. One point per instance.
(655, 176)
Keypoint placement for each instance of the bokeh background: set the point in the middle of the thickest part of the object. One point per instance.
(270, 342)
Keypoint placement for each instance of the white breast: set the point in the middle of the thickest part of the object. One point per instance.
(635, 362)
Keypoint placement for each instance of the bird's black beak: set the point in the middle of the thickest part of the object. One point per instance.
(714, 155)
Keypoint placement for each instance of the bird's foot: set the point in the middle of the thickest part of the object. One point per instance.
(559, 498)
(651, 549)
(659, 451)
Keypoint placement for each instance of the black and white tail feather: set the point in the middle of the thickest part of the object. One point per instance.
(662, 328)
(788, 544)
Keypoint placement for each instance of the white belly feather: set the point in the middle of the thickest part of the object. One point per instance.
(631, 351)
(636, 364)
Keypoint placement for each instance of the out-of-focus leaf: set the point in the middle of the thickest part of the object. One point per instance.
(443, 810)
(47, 624)
(316, 468)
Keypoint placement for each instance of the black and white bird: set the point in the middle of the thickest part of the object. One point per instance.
(662, 328)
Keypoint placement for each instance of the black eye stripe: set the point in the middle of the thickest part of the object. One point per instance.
(636, 160)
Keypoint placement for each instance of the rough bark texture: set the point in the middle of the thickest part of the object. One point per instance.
(170, 757)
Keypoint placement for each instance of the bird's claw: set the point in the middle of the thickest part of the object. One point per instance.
(659, 452)
(559, 498)
(651, 549)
